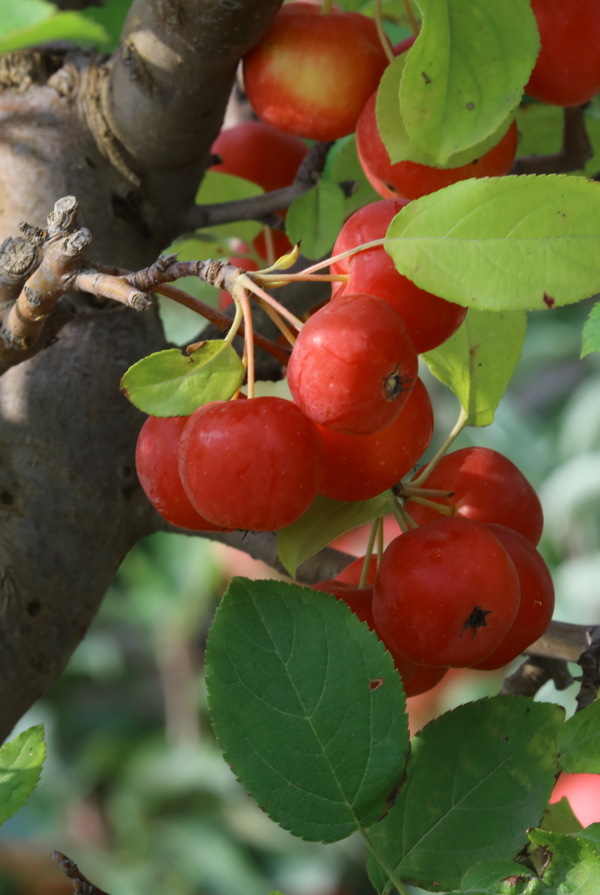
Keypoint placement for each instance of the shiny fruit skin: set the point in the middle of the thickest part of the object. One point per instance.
(567, 69)
(410, 180)
(353, 365)
(415, 678)
(311, 73)
(254, 464)
(260, 153)
(358, 467)
(430, 320)
(445, 594)
(156, 456)
(537, 598)
(487, 487)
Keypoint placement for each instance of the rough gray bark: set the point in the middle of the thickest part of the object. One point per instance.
(130, 138)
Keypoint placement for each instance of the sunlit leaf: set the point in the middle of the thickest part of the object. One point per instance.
(395, 137)
(503, 243)
(478, 361)
(170, 383)
(466, 72)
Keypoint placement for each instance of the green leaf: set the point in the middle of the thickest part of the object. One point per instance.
(478, 361)
(21, 761)
(500, 878)
(466, 72)
(325, 520)
(308, 707)
(57, 26)
(315, 219)
(476, 779)
(219, 187)
(111, 17)
(170, 383)
(343, 165)
(559, 816)
(503, 243)
(19, 16)
(579, 742)
(391, 127)
(591, 332)
(571, 864)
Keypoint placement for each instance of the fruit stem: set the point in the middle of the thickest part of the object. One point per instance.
(410, 491)
(374, 244)
(460, 424)
(411, 16)
(383, 38)
(375, 526)
(442, 508)
(240, 297)
(222, 321)
(383, 863)
(255, 289)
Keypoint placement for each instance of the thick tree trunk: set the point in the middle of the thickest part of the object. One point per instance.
(130, 138)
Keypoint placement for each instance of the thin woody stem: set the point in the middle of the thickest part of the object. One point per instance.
(460, 424)
(222, 321)
(253, 287)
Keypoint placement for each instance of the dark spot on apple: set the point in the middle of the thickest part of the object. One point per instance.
(549, 302)
(426, 77)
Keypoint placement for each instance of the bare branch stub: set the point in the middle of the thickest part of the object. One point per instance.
(81, 884)
(590, 670)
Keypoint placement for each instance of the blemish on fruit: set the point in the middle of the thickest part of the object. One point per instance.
(395, 384)
(470, 106)
(475, 620)
(376, 683)
(548, 301)
(426, 77)
(33, 607)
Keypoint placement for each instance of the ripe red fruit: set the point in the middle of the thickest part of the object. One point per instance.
(156, 464)
(416, 678)
(445, 594)
(487, 487)
(260, 153)
(359, 599)
(353, 365)
(253, 464)
(567, 69)
(430, 320)
(358, 467)
(537, 598)
(410, 180)
(312, 73)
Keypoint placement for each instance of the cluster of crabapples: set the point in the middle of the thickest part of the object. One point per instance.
(463, 585)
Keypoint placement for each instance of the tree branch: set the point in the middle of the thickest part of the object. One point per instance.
(575, 151)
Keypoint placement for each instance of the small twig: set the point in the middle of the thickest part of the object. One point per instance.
(259, 208)
(81, 884)
(575, 151)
